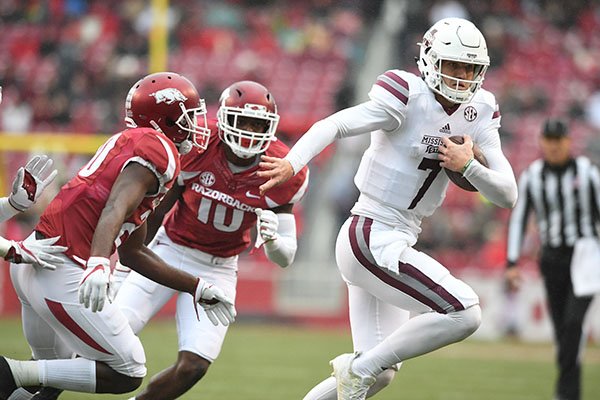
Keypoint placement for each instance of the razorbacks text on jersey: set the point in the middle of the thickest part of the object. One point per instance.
(74, 213)
(217, 211)
(400, 168)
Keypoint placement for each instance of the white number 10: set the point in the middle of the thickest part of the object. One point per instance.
(219, 216)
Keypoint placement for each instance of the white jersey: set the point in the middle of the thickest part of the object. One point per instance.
(399, 177)
(401, 168)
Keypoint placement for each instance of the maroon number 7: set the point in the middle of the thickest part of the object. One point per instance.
(434, 167)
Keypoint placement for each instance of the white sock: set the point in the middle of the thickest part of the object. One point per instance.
(76, 375)
(325, 390)
(20, 394)
(417, 336)
(25, 373)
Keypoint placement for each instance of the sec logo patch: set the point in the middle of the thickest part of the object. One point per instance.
(207, 178)
(470, 113)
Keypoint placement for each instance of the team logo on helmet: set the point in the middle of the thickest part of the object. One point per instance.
(207, 178)
(168, 95)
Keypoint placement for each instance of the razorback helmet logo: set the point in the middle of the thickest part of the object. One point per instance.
(176, 109)
(168, 95)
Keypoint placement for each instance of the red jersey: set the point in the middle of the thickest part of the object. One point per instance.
(217, 211)
(75, 211)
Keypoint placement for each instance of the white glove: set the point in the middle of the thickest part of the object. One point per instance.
(94, 284)
(218, 307)
(30, 183)
(33, 251)
(266, 224)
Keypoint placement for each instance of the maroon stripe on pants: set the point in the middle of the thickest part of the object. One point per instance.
(413, 272)
(64, 318)
(378, 272)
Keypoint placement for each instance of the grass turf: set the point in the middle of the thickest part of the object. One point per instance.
(268, 362)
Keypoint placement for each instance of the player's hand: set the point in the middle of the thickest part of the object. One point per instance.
(30, 182)
(278, 170)
(33, 251)
(266, 224)
(513, 278)
(454, 156)
(94, 284)
(218, 307)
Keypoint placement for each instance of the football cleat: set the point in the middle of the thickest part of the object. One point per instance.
(7, 380)
(350, 386)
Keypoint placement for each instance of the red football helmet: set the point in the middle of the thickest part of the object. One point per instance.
(245, 104)
(169, 103)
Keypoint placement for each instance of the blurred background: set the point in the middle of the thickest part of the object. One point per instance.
(68, 64)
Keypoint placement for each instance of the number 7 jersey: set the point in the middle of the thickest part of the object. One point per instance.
(216, 211)
(400, 169)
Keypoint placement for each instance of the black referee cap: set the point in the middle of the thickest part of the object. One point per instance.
(555, 128)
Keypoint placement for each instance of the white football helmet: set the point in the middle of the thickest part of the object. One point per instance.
(247, 99)
(453, 39)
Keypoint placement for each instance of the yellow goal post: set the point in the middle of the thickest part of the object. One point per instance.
(46, 143)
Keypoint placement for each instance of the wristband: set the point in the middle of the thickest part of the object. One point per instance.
(464, 169)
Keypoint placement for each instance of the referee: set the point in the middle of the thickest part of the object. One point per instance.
(563, 192)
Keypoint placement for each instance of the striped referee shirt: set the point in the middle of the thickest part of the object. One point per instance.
(564, 200)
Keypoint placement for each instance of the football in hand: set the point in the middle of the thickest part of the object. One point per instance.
(457, 177)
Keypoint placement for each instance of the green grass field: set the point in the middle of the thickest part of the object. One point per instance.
(274, 362)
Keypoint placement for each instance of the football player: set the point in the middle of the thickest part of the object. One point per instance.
(217, 202)
(104, 208)
(409, 119)
(27, 188)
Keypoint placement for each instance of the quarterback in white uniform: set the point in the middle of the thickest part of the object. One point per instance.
(410, 119)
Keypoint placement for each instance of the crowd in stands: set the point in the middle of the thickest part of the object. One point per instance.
(72, 61)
